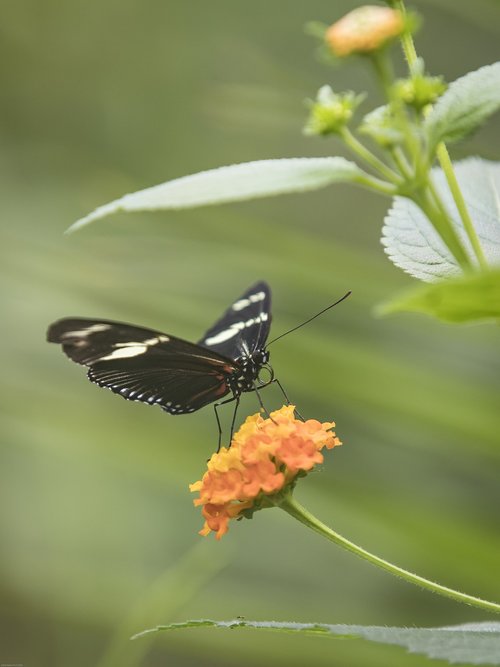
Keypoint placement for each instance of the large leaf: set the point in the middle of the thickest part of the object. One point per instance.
(463, 299)
(412, 242)
(465, 105)
(471, 643)
(237, 182)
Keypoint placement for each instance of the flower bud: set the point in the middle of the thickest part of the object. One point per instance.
(420, 90)
(364, 30)
(331, 111)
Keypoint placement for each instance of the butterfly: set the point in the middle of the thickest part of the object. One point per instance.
(153, 367)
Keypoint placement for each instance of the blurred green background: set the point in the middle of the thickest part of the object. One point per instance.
(99, 535)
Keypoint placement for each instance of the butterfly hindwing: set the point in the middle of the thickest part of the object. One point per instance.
(244, 327)
(143, 364)
(176, 390)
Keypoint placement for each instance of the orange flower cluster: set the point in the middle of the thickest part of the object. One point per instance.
(265, 458)
(364, 30)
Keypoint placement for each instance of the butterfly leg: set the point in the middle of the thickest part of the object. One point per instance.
(263, 407)
(216, 405)
(237, 399)
(286, 397)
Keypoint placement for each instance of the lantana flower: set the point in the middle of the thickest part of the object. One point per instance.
(261, 468)
(265, 459)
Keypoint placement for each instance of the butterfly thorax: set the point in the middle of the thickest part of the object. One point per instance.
(248, 373)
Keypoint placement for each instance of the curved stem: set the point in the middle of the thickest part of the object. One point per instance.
(444, 213)
(441, 223)
(401, 162)
(447, 167)
(383, 68)
(407, 40)
(369, 157)
(292, 507)
(436, 198)
(377, 185)
(385, 74)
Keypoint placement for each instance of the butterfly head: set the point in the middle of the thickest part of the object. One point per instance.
(251, 371)
(263, 372)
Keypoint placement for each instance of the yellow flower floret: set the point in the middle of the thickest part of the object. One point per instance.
(265, 457)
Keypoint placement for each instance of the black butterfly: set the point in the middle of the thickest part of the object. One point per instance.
(156, 368)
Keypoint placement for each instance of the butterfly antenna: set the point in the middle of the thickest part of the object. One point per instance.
(310, 319)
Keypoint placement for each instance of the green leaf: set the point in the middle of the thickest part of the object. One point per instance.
(464, 106)
(413, 244)
(237, 182)
(464, 299)
(471, 643)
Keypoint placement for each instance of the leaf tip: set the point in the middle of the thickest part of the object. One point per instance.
(96, 214)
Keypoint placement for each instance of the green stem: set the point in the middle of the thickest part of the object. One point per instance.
(377, 185)
(407, 40)
(442, 152)
(436, 198)
(383, 68)
(292, 507)
(401, 162)
(370, 158)
(447, 167)
(441, 223)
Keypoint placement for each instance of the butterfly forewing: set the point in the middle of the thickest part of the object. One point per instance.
(244, 327)
(143, 364)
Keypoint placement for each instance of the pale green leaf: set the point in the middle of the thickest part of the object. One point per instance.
(471, 643)
(413, 244)
(463, 299)
(465, 105)
(237, 182)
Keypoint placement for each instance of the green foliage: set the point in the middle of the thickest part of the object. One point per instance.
(471, 643)
(414, 245)
(234, 183)
(469, 298)
(467, 103)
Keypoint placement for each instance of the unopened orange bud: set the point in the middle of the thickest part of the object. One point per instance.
(364, 30)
